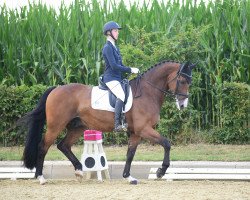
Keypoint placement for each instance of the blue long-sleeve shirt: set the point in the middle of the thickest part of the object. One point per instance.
(113, 63)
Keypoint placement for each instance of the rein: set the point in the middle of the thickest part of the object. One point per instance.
(169, 92)
(166, 92)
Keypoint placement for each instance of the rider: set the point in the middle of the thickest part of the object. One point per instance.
(114, 68)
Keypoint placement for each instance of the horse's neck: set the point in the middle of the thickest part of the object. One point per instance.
(155, 82)
(159, 76)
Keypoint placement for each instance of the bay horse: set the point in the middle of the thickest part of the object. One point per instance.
(69, 107)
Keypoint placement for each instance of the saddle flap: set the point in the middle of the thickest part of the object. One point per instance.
(100, 99)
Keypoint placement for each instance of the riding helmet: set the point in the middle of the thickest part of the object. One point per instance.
(109, 26)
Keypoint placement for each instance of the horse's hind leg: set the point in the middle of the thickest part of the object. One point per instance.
(43, 148)
(65, 147)
(132, 146)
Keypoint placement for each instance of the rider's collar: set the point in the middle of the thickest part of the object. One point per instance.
(111, 40)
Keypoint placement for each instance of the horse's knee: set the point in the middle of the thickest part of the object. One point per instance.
(165, 143)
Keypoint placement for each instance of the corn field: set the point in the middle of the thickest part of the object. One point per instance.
(39, 45)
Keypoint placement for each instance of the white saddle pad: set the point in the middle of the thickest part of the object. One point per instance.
(100, 100)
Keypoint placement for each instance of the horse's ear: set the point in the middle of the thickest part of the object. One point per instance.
(193, 65)
(184, 66)
(187, 64)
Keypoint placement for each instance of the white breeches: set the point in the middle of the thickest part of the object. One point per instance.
(116, 88)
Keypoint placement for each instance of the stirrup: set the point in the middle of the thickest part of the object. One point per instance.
(125, 125)
(120, 128)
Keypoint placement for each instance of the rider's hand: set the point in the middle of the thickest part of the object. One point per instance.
(135, 70)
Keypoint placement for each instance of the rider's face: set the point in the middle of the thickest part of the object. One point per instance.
(115, 33)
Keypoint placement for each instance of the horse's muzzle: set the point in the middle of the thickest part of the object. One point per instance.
(182, 103)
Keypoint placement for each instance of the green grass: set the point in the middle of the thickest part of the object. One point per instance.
(199, 152)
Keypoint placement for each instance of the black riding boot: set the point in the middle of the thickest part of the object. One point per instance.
(118, 109)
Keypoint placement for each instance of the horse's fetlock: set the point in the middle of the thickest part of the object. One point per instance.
(164, 168)
(160, 173)
(78, 166)
(126, 175)
(37, 174)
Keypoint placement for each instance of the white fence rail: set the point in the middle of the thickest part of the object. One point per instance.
(16, 172)
(202, 174)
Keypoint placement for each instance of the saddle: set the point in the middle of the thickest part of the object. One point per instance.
(103, 99)
(112, 98)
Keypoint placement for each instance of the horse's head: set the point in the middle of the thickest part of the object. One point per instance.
(180, 82)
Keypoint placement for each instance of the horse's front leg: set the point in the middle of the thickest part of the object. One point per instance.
(132, 146)
(166, 161)
(155, 137)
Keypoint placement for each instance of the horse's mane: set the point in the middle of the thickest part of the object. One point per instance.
(154, 66)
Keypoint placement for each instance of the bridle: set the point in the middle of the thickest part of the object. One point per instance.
(170, 93)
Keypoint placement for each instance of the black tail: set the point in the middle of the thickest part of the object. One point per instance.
(36, 120)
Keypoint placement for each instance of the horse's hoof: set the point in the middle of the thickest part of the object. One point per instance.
(132, 180)
(159, 173)
(41, 179)
(79, 175)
